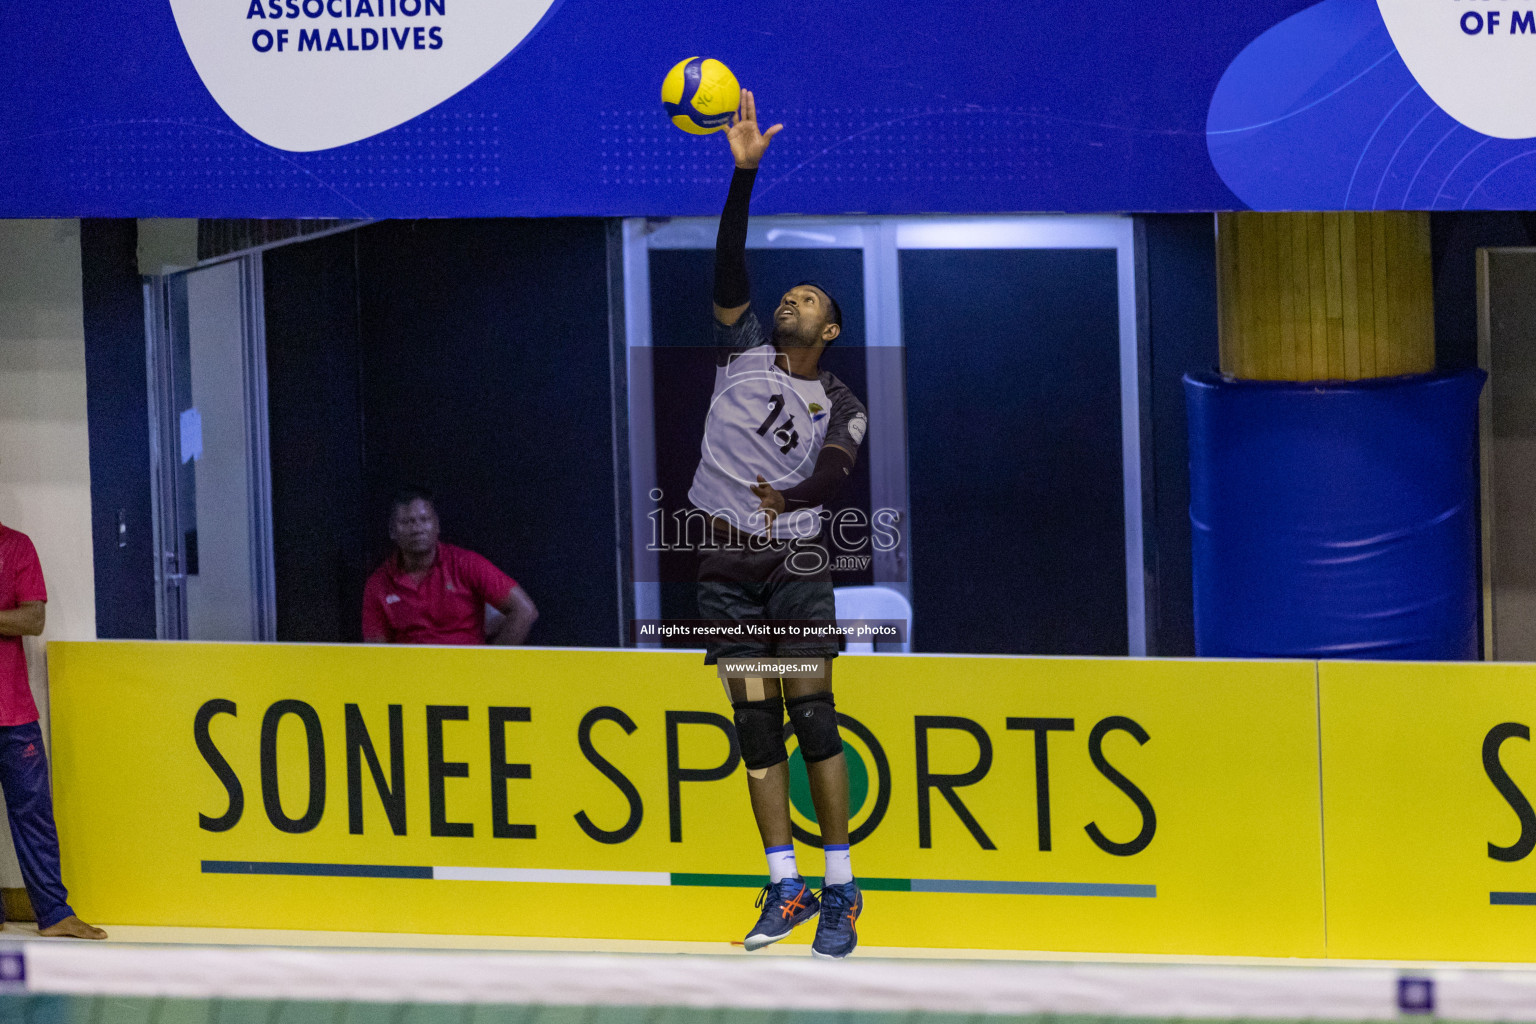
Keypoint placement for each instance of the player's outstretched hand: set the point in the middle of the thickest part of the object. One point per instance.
(747, 143)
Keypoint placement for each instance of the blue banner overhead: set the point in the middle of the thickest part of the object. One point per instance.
(1382, 105)
(380, 108)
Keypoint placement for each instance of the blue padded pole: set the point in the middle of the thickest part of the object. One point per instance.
(1335, 519)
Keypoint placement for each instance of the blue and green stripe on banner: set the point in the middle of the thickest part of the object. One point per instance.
(666, 878)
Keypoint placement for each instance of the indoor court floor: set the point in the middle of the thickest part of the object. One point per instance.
(233, 976)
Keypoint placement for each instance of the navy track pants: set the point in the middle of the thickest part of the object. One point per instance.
(29, 806)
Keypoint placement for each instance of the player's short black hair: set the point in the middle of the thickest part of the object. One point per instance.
(837, 311)
(407, 494)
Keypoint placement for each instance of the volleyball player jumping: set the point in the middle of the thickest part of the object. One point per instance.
(781, 437)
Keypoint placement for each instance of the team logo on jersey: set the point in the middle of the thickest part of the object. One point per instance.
(869, 784)
(856, 428)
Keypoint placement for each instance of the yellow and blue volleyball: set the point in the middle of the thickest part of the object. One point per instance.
(700, 95)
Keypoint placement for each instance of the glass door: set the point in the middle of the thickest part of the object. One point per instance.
(1023, 434)
(207, 366)
(998, 358)
(668, 279)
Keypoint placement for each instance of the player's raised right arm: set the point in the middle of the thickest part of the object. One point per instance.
(732, 290)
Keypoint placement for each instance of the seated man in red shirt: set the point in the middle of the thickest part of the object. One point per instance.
(23, 764)
(429, 592)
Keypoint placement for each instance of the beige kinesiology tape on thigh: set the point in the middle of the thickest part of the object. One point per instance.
(752, 688)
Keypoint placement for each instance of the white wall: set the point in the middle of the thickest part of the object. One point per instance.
(45, 476)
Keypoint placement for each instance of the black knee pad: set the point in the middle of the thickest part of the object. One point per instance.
(815, 720)
(760, 732)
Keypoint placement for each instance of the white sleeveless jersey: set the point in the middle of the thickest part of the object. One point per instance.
(765, 421)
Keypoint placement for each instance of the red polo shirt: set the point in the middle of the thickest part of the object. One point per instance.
(21, 579)
(447, 606)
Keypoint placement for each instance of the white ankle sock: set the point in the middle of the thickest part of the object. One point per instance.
(781, 863)
(839, 864)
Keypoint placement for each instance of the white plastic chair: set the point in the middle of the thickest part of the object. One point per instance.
(873, 603)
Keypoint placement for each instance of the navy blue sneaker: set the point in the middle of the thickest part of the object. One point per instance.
(836, 935)
(785, 905)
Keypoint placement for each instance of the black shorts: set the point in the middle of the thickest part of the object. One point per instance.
(767, 583)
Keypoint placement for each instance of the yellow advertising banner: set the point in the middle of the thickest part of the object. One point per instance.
(1096, 805)
(1428, 776)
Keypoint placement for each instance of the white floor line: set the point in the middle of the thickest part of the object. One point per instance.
(315, 939)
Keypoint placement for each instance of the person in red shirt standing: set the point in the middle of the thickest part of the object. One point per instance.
(429, 592)
(23, 763)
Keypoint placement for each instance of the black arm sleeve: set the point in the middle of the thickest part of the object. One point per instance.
(832, 467)
(731, 287)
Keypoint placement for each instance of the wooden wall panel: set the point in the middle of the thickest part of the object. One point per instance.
(1324, 296)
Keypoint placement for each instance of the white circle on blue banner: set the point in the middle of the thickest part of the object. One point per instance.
(303, 75)
(1476, 60)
